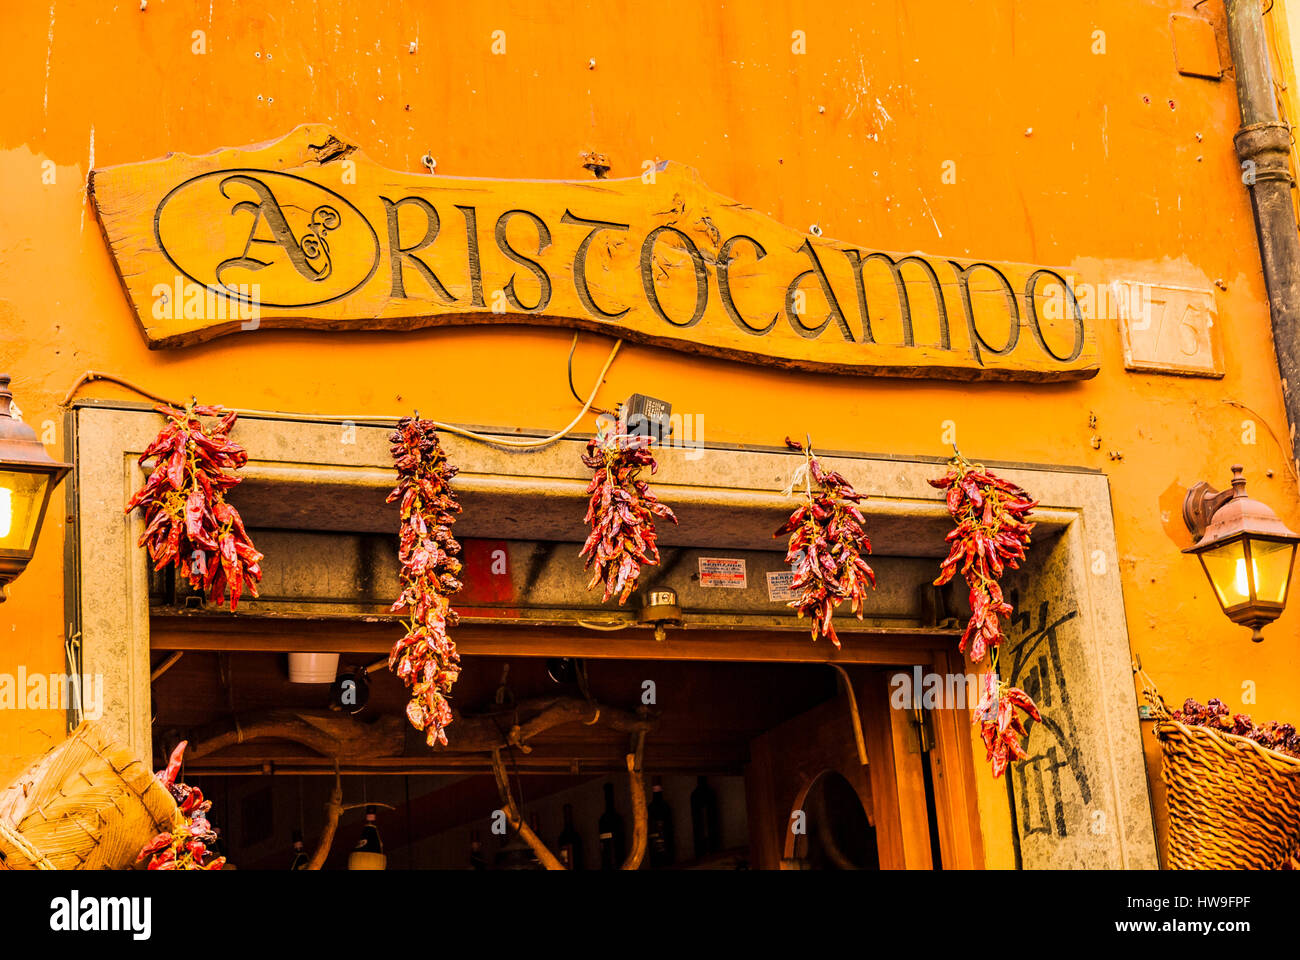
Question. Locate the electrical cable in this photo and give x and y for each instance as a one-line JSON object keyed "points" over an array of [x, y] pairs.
{"points": [[90, 376], [612, 625], [1286, 451], [572, 347], [546, 441]]}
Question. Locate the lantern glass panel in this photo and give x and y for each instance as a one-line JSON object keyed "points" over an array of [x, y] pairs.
{"points": [[22, 495], [1271, 562], [1226, 566]]}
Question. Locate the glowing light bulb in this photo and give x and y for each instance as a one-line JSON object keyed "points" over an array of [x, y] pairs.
{"points": [[6, 512], [1239, 582]]}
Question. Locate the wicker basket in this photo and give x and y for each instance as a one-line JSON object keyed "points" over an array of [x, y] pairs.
{"points": [[88, 804], [1233, 805]]}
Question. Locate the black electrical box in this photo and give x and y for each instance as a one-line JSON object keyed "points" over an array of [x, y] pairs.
{"points": [[647, 416]]}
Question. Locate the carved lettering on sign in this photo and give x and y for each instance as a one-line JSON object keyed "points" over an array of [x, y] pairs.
{"points": [[278, 228], [257, 245]]}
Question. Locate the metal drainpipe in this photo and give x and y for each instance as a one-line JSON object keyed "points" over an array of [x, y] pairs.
{"points": [[1264, 147]]}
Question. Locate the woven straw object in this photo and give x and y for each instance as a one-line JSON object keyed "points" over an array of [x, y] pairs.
{"points": [[88, 804], [1233, 805]]}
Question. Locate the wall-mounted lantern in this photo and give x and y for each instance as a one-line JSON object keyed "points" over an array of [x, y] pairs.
{"points": [[1245, 549], [27, 478]]}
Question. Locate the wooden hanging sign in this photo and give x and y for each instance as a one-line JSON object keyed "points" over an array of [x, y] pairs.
{"points": [[308, 233]]}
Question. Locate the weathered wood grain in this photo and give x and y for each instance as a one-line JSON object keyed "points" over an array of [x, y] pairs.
{"points": [[307, 232]]}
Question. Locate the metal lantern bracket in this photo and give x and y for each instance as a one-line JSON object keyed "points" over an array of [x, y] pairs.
{"points": [[1202, 501]]}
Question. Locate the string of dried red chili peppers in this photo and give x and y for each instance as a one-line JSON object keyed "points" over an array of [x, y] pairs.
{"points": [[187, 519], [827, 543], [622, 511], [425, 658], [991, 536], [188, 847], [996, 717]]}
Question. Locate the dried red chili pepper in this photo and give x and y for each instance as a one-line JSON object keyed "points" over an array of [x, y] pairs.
{"points": [[425, 658], [622, 512], [169, 773], [188, 522], [827, 543], [1000, 728], [1282, 737], [991, 536], [188, 845]]}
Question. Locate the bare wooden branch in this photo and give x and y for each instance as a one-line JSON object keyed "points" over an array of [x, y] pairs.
{"points": [[333, 810], [636, 783], [333, 735], [344, 738], [484, 732], [549, 860]]}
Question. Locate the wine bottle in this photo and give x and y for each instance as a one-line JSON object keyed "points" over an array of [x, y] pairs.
{"points": [[704, 819], [660, 829], [477, 858], [368, 854], [370, 841], [570, 842], [299, 861], [610, 827]]}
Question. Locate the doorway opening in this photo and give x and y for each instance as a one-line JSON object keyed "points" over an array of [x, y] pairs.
{"points": [[749, 765]]}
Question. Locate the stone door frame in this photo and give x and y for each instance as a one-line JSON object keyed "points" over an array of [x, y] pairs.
{"points": [[108, 595]]}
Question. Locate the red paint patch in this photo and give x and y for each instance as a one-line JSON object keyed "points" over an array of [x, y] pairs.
{"points": [[489, 590]]}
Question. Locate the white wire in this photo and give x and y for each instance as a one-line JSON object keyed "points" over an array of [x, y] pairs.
{"points": [[496, 441], [461, 431], [369, 420]]}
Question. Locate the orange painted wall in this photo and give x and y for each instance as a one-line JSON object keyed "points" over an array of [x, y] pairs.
{"points": [[1129, 166]]}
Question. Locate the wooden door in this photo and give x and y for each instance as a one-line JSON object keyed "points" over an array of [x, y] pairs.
{"points": [[796, 764]]}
